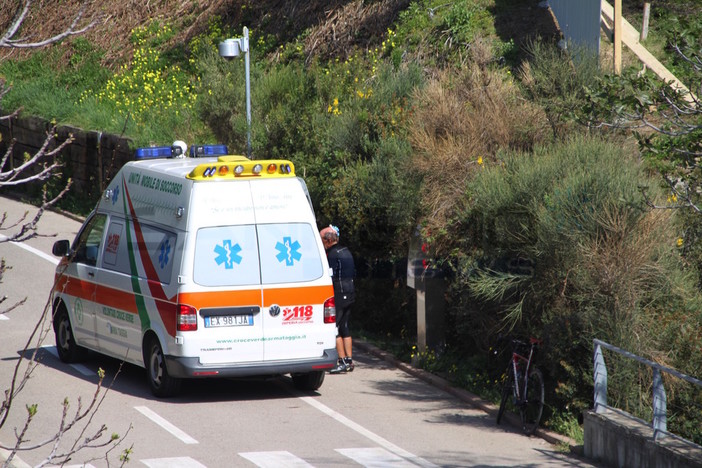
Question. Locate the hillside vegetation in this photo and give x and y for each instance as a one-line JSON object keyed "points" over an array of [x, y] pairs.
{"points": [[460, 120]]}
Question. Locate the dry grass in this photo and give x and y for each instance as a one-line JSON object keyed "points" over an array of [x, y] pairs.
{"points": [[355, 23], [334, 25], [114, 21], [461, 117]]}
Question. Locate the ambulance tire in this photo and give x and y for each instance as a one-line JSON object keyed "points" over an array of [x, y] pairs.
{"points": [[162, 385], [309, 381], [66, 346]]}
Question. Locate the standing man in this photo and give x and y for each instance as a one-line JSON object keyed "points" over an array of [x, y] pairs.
{"points": [[341, 263]]}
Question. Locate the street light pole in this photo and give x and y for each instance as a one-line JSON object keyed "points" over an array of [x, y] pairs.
{"points": [[229, 49], [248, 93]]}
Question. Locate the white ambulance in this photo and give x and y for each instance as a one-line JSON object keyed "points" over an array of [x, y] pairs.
{"points": [[202, 266]]}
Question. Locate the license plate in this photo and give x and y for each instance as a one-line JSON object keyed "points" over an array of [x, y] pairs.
{"points": [[228, 320]]}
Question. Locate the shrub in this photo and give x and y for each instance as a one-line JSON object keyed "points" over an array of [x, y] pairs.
{"points": [[462, 119], [561, 245]]}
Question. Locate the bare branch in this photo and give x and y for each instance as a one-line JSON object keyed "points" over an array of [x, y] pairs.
{"points": [[7, 41], [12, 176]]}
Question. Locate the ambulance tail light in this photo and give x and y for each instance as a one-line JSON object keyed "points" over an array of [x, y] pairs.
{"points": [[329, 310], [186, 319]]}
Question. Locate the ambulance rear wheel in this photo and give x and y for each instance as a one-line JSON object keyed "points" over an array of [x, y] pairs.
{"points": [[162, 385], [66, 346], [309, 381]]}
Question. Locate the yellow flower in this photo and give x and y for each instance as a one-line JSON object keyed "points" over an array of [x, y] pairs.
{"points": [[480, 160], [680, 242]]}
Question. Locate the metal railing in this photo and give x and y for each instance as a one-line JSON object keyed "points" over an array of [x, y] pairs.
{"points": [[658, 423]]}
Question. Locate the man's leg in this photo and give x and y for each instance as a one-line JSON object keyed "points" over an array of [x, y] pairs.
{"points": [[341, 347], [347, 346], [347, 350]]}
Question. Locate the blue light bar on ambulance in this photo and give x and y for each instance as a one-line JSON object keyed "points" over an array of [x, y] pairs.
{"points": [[200, 151], [153, 152]]}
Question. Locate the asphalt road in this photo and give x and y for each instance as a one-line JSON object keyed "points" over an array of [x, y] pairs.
{"points": [[377, 416]]}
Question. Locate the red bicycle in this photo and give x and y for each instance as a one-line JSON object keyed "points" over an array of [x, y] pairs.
{"points": [[523, 386]]}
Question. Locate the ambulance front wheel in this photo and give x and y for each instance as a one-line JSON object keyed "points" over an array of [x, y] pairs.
{"points": [[308, 382], [162, 385], [66, 346]]}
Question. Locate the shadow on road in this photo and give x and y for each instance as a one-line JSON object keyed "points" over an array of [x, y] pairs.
{"points": [[131, 380]]}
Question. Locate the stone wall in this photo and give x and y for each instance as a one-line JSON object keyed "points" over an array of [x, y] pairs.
{"points": [[90, 161]]}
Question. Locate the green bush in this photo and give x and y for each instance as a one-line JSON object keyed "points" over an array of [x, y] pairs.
{"points": [[557, 79], [561, 245]]}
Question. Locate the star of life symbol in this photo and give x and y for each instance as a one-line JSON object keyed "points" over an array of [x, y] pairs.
{"points": [[228, 254], [115, 195], [288, 251], [164, 251]]}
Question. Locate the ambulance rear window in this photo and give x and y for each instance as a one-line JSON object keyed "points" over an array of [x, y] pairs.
{"points": [[289, 253], [226, 256], [257, 254]]}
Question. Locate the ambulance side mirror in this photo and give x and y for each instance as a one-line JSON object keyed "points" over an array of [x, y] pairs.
{"points": [[61, 248]]}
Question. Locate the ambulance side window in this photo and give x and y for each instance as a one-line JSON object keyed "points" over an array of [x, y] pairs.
{"points": [[87, 245], [158, 244], [161, 248], [115, 256]]}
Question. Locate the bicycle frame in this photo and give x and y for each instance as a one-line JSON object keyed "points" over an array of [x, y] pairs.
{"points": [[520, 362], [525, 381]]}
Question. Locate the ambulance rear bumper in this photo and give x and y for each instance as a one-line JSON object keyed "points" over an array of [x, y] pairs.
{"points": [[190, 367]]}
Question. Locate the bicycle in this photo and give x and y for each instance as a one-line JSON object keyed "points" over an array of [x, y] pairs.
{"points": [[524, 383]]}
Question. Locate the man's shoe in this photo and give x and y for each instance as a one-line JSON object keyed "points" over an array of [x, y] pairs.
{"points": [[340, 368], [348, 362]]}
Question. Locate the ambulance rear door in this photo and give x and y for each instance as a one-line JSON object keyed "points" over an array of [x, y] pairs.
{"points": [[226, 277], [293, 267]]}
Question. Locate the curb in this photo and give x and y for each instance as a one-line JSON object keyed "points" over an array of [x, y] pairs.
{"points": [[461, 394]]}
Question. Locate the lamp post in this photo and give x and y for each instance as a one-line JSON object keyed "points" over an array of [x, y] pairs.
{"points": [[229, 49]]}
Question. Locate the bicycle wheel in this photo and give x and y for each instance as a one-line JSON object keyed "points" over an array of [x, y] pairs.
{"points": [[507, 393], [533, 407]]}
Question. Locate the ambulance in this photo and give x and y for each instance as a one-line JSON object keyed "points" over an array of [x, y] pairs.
{"points": [[196, 266]]}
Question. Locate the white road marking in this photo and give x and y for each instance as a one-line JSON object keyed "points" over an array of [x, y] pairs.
{"points": [[370, 435], [275, 460], [166, 425], [176, 462], [37, 252], [79, 367], [375, 457], [32, 250]]}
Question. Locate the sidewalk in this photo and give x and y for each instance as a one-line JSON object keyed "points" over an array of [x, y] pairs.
{"points": [[463, 395]]}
